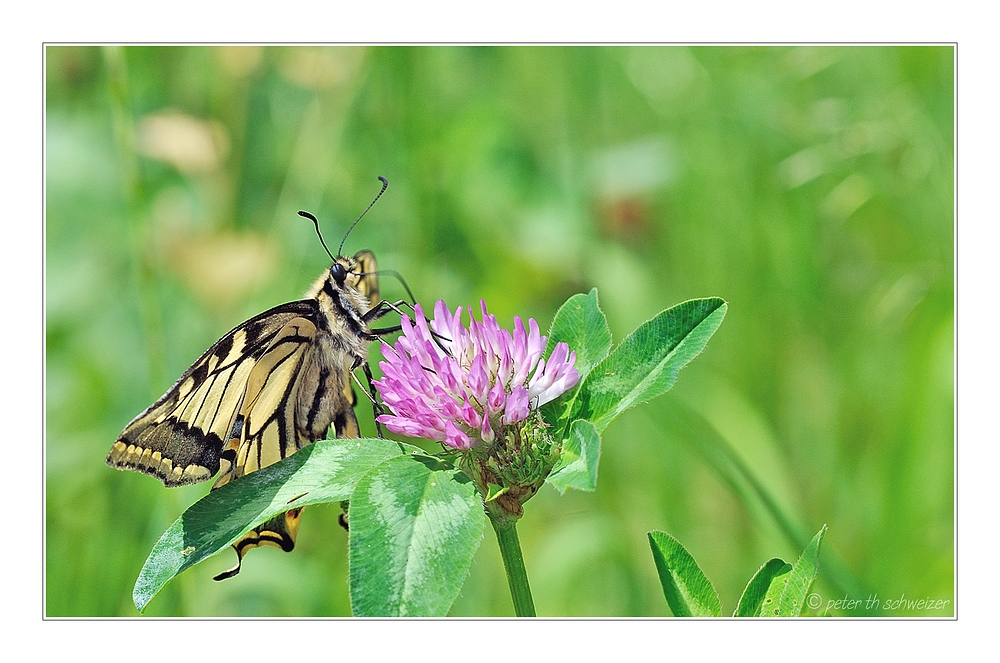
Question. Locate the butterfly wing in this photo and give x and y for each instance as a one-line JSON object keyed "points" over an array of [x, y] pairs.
{"points": [[179, 438], [368, 285], [265, 430]]}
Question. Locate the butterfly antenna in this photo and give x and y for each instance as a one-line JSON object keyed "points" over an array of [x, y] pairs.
{"points": [[385, 184], [316, 223], [399, 277]]}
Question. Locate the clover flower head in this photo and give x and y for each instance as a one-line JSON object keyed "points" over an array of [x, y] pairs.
{"points": [[460, 385]]}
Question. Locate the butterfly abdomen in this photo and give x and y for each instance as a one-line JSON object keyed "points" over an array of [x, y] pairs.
{"points": [[324, 390]]}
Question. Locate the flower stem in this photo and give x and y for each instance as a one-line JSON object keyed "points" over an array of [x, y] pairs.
{"points": [[513, 564]]}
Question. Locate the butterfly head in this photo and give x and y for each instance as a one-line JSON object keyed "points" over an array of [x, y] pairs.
{"points": [[350, 271], [339, 272]]}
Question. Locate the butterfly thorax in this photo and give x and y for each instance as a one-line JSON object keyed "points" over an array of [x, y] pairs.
{"points": [[342, 305], [325, 395]]}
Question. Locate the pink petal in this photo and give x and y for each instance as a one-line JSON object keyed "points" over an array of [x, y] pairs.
{"points": [[497, 398], [479, 382], [517, 406], [470, 417], [455, 438], [485, 432]]}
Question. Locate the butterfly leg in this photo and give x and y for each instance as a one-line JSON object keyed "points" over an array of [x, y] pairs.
{"points": [[372, 394], [379, 310], [376, 406], [383, 307]]}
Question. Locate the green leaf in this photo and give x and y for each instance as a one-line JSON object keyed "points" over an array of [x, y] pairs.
{"points": [[756, 590], [769, 606], [730, 457], [646, 363], [801, 578], [415, 525], [787, 594], [326, 471], [580, 324], [577, 464], [688, 592]]}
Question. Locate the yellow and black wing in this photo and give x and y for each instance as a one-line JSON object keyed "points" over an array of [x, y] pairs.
{"points": [[265, 431], [368, 283], [179, 439]]}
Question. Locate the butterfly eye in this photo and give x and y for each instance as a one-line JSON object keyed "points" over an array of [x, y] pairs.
{"points": [[338, 273]]}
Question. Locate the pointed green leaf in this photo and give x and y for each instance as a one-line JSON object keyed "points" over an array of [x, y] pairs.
{"points": [[646, 363], [580, 324], [415, 525], [769, 606], [800, 579], [577, 465], [688, 592], [756, 590], [789, 588], [326, 471]]}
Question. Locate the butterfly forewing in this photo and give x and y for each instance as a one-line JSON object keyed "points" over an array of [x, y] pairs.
{"points": [[179, 438]]}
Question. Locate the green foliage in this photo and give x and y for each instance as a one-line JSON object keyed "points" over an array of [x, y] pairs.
{"points": [[757, 589], [326, 471], [577, 465], [689, 593], [415, 525], [771, 605], [800, 579], [415, 522], [580, 323], [642, 367], [777, 589], [646, 363]]}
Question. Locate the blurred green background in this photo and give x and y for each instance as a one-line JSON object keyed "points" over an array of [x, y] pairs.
{"points": [[811, 187]]}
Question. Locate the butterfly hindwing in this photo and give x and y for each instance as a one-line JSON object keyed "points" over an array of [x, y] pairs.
{"points": [[268, 428], [281, 530]]}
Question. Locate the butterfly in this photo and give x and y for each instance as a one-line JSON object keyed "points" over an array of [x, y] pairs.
{"points": [[269, 387]]}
